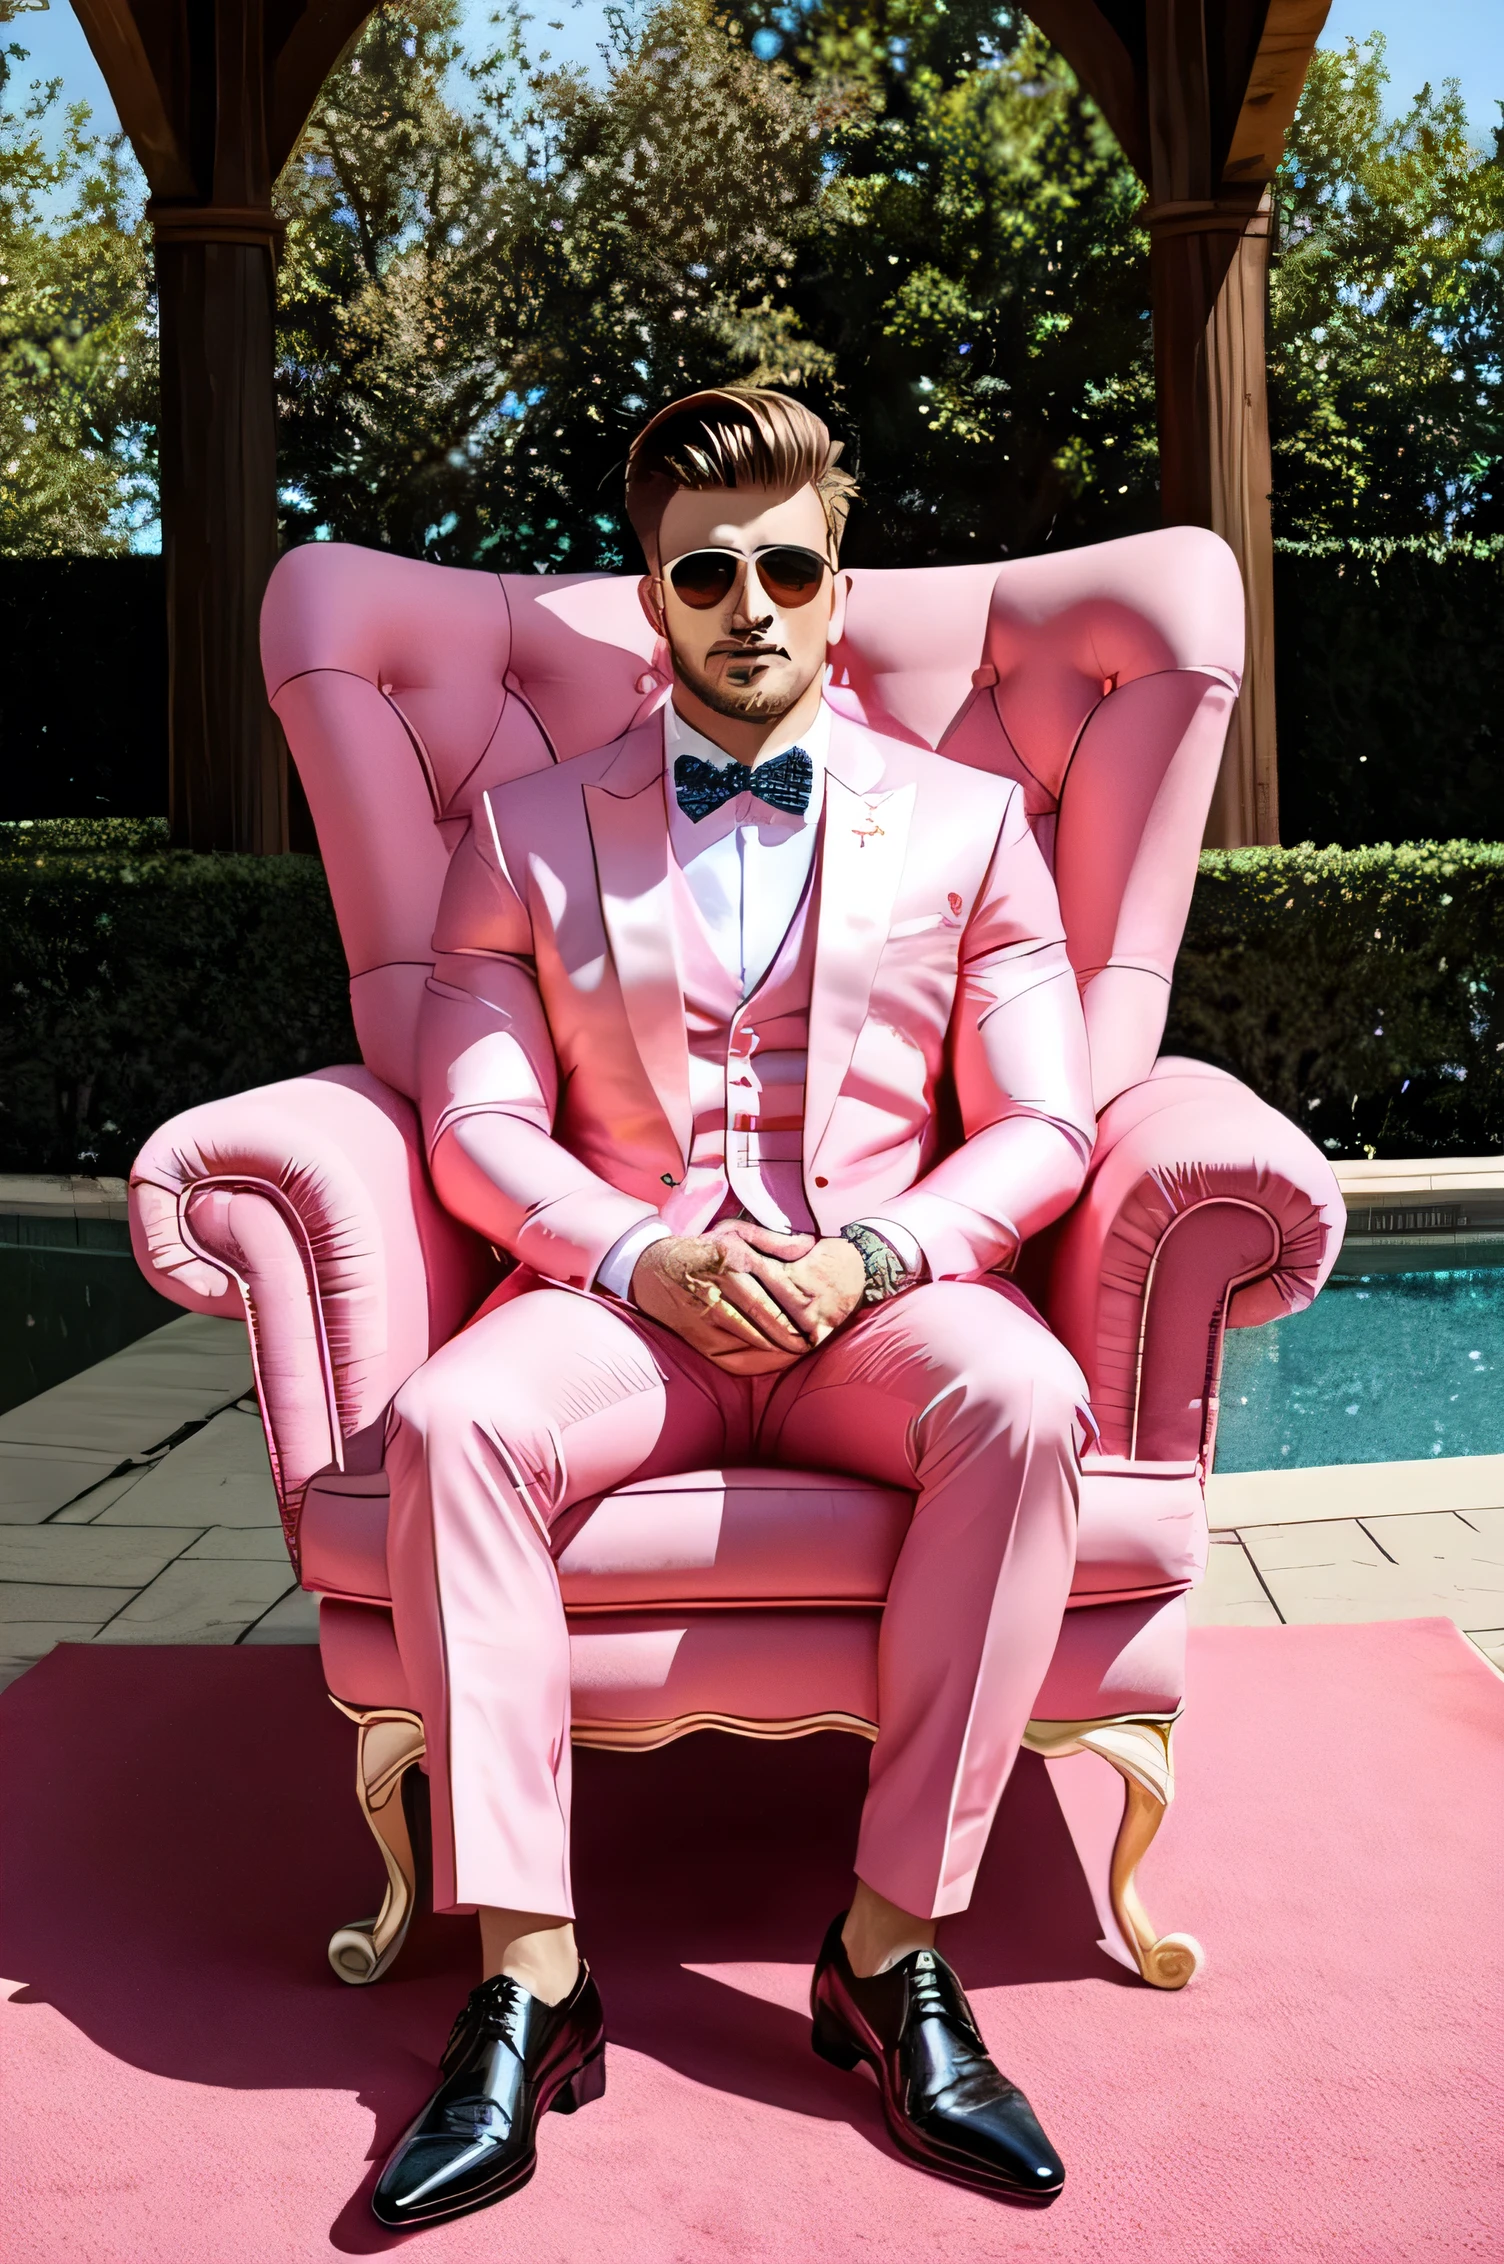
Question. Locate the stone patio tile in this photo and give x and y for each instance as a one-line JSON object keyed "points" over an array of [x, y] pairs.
{"points": [[240, 1544], [1240, 1499], [36, 1480], [93, 1504], [1462, 1567], [294, 1619], [199, 1603], [219, 1476], [1230, 1595], [1338, 1573], [127, 1555], [37, 1601], [63, 1193], [141, 1395]]}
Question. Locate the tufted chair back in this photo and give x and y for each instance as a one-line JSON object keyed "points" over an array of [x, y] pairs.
{"points": [[1100, 679]]}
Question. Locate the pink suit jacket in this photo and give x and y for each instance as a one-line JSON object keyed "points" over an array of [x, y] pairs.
{"points": [[553, 1051]]}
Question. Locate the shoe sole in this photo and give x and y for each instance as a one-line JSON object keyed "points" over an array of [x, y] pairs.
{"points": [[588, 2082], [957, 2169]]}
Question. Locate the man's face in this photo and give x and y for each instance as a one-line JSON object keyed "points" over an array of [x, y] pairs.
{"points": [[747, 656]]}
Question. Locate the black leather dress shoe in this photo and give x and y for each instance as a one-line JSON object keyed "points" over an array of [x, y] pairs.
{"points": [[508, 2060], [947, 2106]]}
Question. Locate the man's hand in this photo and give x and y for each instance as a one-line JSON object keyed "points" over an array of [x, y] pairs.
{"points": [[818, 1284], [703, 1288]]}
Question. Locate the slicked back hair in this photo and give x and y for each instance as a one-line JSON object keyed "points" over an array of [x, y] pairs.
{"points": [[733, 436]]}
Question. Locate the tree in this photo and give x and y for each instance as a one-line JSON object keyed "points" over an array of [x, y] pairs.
{"points": [[1386, 386], [978, 276], [926, 228], [77, 330], [480, 304]]}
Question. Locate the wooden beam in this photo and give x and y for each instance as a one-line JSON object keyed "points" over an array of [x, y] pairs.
{"points": [[141, 88], [315, 40], [1291, 30], [1102, 63]]}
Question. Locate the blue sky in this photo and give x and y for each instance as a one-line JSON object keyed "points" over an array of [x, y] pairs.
{"points": [[1461, 39]]}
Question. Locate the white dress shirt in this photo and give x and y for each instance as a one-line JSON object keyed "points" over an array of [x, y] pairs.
{"points": [[747, 865]]}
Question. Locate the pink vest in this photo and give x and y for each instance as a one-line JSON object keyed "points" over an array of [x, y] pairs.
{"points": [[746, 1077]]}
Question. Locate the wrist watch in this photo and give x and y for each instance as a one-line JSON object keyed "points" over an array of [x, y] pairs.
{"points": [[886, 1272]]}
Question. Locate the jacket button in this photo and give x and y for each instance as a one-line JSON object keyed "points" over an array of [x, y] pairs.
{"points": [[819, 1182]]}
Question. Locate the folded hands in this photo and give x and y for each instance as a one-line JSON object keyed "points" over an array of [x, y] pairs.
{"points": [[752, 1300]]}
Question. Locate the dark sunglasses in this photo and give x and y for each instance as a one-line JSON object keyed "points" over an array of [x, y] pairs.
{"points": [[790, 575]]}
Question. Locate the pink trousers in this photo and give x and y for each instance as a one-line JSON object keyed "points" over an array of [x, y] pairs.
{"points": [[956, 1390]]}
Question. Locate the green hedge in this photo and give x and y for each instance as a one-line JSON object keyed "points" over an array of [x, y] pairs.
{"points": [[83, 684], [1389, 677], [1356, 989], [136, 980]]}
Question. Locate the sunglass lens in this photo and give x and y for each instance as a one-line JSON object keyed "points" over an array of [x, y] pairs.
{"points": [[704, 578], [790, 577]]}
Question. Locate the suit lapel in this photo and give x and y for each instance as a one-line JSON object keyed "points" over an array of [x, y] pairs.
{"points": [[865, 837], [629, 834]]}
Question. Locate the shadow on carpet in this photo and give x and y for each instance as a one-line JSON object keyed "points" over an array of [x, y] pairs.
{"points": [[184, 2078]]}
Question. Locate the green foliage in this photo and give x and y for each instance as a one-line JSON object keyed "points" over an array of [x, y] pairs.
{"points": [[925, 228], [1387, 306], [1390, 681], [978, 274], [135, 981], [78, 375], [480, 305], [1360, 991], [61, 837]]}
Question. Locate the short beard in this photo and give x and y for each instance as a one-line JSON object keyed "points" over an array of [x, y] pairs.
{"points": [[749, 705]]}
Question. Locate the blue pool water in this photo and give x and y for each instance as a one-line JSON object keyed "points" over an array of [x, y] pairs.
{"points": [[70, 1293], [1382, 1368]]}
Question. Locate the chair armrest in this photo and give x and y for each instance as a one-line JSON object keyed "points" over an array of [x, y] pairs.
{"points": [[307, 1207], [1203, 1209]]}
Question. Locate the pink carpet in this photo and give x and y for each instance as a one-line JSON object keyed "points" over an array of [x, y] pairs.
{"points": [[184, 2082]]}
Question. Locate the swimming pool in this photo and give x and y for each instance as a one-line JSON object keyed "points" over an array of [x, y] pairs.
{"points": [[70, 1293], [1384, 1367]]}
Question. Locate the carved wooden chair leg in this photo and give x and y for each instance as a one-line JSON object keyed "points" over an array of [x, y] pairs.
{"points": [[390, 1743], [1139, 1750]]}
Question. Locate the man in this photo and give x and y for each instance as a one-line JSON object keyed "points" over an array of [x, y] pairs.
{"points": [[695, 1000]]}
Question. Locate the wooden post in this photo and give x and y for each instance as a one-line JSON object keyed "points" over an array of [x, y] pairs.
{"points": [[227, 766], [213, 97], [1200, 94], [1246, 805]]}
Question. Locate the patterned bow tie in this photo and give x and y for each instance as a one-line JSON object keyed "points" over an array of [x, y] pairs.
{"points": [[783, 784]]}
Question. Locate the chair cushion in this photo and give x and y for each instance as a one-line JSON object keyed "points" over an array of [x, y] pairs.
{"points": [[733, 1536], [720, 1538], [640, 1677]]}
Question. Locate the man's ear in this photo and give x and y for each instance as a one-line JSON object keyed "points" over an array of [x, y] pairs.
{"points": [[647, 598], [840, 592]]}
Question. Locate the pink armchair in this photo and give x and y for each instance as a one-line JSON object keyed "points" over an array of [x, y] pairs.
{"points": [[748, 1599]]}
